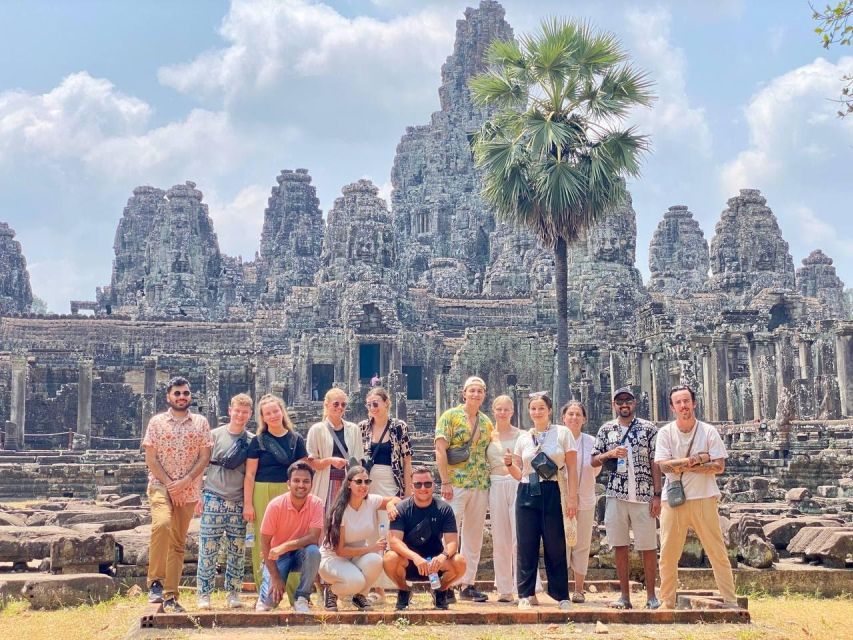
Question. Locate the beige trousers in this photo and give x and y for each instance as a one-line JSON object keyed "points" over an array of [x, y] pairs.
{"points": [[700, 515], [169, 525]]}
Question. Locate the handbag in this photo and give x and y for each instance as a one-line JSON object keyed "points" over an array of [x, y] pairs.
{"points": [[236, 455], [458, 455], [280, 455], [544, 466], [675, 496]]}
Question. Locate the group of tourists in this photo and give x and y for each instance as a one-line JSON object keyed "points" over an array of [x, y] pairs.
{"points": [[346, 512]]}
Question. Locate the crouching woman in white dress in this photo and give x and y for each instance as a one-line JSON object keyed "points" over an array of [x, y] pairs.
{"points": [[351, 555]]}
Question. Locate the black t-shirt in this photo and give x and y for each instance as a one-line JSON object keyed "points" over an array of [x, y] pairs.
{"points": [[269, 468], [337, 452], [423, 528], [380, 452]]}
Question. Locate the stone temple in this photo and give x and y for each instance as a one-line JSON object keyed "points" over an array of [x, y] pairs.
{"points": [[428, 289]]}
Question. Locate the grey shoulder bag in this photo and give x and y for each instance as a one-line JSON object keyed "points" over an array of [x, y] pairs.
{"points": [[458, 455], [675, 496]]}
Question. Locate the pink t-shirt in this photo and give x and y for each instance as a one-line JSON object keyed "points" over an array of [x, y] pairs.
{"points": [[283, 522], [177, 443]]}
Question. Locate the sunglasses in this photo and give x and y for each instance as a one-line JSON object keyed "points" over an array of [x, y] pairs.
{"points": [[185, 394], [623, 402], [423, 485], [373, 404], [537, 394], [361, 481], [339, 403]]}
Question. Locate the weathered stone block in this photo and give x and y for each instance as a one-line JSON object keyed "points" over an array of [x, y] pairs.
{"points": [[54, 592], [758, 552]]}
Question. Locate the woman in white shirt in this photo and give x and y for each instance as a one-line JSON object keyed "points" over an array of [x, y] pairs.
{"points": [[351, 556], [538, 510], [573, 414]]}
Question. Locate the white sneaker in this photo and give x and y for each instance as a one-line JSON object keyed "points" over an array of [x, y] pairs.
{"points": [[233, 600], [204, 601], [524, 603], [565, 605], [260, 606], [301, 605]]}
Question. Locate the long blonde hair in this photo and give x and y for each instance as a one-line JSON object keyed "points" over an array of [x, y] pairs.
{"points": [[329, 395], [271, 399]]}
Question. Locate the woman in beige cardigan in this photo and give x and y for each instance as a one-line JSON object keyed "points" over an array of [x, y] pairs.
{"points": [[331, 443]]}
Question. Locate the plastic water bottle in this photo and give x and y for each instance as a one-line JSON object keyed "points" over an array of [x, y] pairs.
{"points": [[250, 534], [434, 580], [621, 465]]}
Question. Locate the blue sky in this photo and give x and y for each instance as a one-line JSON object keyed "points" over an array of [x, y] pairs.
{"points": [[97, 97]]}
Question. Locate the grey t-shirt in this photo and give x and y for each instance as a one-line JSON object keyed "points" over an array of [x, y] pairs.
{"points": [[226, 483]]}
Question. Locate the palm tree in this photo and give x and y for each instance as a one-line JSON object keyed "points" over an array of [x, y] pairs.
{"points": [[552, 155]]}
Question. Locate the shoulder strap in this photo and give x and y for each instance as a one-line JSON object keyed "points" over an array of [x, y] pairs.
{"points": [[690, 446], [631, 426], [341, 445]]}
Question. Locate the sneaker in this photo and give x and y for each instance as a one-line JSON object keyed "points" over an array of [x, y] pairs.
{"points": [[361, 601], [403, 598], [578, 597], [155, 592], [506, 597], [524, 604], [261, 606], [439, 598], [470, 593], [621, 603], [233, 600], [330, 599], [204, 601], [565, 605], [376, 598], [170, 605], [653, 603], [301, 605]]}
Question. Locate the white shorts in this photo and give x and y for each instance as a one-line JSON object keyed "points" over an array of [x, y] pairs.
{"points": [[620, 516]]}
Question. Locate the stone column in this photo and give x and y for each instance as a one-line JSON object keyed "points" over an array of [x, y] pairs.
{"points": [[844, 364], [440, 396], [707, 385], [149, 389], [786, 369], [617, 380], [84, 403], [718, 382], [762, 372], [211, 392], [660, 388], [646, 376], [523, 402], [19, 402], [806, 361]]}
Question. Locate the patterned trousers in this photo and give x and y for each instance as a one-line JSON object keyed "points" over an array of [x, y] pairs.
{"points": [[221, 518]]}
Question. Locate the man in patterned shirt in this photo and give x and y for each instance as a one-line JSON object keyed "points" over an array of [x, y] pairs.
{"points": [[177, 450], [465, 485], [627, 446]]}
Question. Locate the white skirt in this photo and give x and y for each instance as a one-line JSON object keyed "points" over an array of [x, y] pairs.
{"points": [[383, 485]]}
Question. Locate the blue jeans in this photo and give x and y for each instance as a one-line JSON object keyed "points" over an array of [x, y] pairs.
{"points": [[305, 560]]}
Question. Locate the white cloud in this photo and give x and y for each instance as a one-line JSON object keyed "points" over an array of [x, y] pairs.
{"points": [[792, 117], [814, 231], [672, 120], [239, 221], [272, 43]]}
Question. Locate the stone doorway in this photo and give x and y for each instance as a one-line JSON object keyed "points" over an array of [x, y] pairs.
{"points": [[414, 382], [369, 357], [322, 377]]}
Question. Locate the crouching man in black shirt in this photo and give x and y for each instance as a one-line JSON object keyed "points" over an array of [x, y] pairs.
{"points": [[423, 540]]}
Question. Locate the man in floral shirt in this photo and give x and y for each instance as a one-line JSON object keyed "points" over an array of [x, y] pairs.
{"points": [[177, 450], [626, 446]]}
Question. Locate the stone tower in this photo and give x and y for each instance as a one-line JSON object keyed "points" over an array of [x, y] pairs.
{"points": [[183, 257], [678, 254], [442, 224], [817, 279], [16, 296], [292, 236], [748, 253], [518, 265], [130, 265]]}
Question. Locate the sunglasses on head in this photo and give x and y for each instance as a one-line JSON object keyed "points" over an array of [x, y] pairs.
{"points": [[361, 481], [373, 404], [339, 403], [423, 485], [186, 394], [537, 394]]}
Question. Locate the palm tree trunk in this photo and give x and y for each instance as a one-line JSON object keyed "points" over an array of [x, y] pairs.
{"points": [[561, 264]]}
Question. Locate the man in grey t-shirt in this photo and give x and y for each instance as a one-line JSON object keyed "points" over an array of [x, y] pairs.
{"points": [[222, 510]]}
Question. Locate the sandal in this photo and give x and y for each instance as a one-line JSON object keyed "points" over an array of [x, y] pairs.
{"points": [[653, 603], [621, 603], [578, 597]]}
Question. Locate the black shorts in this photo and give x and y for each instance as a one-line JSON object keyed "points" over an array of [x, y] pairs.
{"points": [[412, 574]]}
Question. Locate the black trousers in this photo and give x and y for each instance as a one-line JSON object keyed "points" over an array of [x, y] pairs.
{"points": [[541, 518]]}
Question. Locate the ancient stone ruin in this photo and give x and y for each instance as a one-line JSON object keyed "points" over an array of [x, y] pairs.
{"points": [[426, 290]]}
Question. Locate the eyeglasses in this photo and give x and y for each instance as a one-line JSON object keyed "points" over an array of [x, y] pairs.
{"points": [[339, 403], [537, 394], [373, 405], [185, 394], [423, 485], [361, 481], [623, 402]]}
